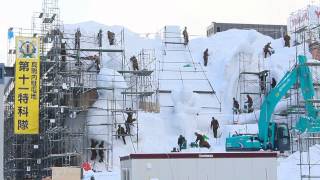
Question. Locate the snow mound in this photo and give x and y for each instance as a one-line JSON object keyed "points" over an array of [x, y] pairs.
{"points": [[159, 132]]}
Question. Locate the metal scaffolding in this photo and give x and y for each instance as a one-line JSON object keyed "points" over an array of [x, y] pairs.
{"points": [[252, 83]]}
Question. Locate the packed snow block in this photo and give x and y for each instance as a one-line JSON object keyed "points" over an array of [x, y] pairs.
{"points": [[66, 173], [200, 166], [149, 106], [81, 100]]}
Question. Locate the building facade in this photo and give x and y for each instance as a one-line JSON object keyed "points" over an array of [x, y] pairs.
{"points": [[274, 31]]}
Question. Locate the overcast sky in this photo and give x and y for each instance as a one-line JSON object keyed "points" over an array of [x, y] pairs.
{"points": [[149, 16]]}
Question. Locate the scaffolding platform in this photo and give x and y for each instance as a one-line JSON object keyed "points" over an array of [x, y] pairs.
{"points": [[302, 29], [138, 73], [124, 111], [164, 91], [169, 42], [204, 92], [313, 64], [138, 93], [98, 50], [256, 93], [255, 73], [312, 100]]}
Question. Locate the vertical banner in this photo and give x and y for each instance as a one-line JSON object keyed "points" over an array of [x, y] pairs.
{"points": [[27, 87]]}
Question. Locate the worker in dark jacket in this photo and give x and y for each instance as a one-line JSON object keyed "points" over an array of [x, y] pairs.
{"points": [[185, 36], [182, 142], [94, 143], [205, 57], [236, 106], [121, 132], [101, 151], [202, 141], [273, 82], [99, 38], [214, 126], [97, 62], [63, 52], [262, 82], [267, 49], [129, 121], [286, 39], [77, 36], [134, 61], [249, 103], [111, 37]]}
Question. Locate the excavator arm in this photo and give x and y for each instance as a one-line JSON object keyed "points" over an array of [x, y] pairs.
{"points": [[268, 130], [301, 75]]}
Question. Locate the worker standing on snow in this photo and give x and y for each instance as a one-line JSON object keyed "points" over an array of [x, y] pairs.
{"points": [[214, 126], [182, 142], [121, 132], [236, 106], [267, 49], [249, 103], [202, 141], [134, 61], [205, 57], [185, 36], [286, 39], [101, 151]]}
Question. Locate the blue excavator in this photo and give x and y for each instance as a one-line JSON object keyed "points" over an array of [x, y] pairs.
{"points": [[276, 136]]}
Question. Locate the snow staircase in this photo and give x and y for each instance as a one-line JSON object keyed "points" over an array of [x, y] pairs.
{"points": [[178, 71]]}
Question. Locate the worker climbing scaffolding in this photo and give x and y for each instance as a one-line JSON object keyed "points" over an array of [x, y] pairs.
{"points": [[93, 145], [121, 133], [111, 38], [263, 81], [101, 151], [97, 62], [77, 36], [129, 121], [236, 106]]}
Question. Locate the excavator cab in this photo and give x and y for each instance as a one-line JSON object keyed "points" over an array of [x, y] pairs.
{"points": [[278, 137], [282, 137]]}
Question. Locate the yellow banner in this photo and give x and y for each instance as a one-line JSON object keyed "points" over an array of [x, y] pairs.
{"points": [[27, 86]]}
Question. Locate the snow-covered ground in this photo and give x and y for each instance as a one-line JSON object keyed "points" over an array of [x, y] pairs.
{"points": [[159, 131]]}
